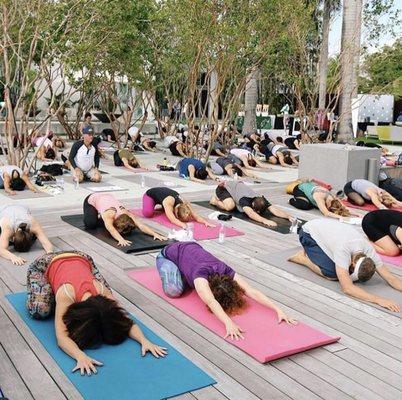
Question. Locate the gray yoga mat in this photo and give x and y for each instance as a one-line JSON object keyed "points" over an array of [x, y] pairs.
{"points": [[150, 181], [26, 194], [375, 285]]}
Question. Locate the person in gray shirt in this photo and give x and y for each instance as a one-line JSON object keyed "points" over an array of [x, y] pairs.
{"points": [[337, 251]]}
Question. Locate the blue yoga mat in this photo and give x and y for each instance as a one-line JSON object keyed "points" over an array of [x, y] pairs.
{"points": [[125, 374]]}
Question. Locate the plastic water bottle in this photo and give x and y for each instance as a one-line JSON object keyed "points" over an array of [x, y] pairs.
{"points": [[235, 177], [190, 231], [165, 161], [222, 234], [294, 226], [62, 184], [76, 182], [142, 181]]}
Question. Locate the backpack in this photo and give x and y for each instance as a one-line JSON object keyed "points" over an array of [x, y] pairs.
{"points": [[117, 160], [52, 169]]}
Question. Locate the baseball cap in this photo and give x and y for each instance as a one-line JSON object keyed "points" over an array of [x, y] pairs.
{"points": [[88, 130]]}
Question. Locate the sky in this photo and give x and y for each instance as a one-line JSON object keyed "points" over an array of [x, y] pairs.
{"points": [[336, 29]]}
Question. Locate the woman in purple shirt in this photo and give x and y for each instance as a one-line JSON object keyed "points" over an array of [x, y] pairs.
{"points": [[184, 265]]}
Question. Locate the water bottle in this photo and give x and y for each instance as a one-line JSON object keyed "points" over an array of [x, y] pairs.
{"points": [[142, 181], [165, 162], [295, 224], [62, 184], [221, 237], [190, 231], [235, 176], [76, 182]]}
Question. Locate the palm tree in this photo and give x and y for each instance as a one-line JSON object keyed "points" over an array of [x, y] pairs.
{"points": [[350, 48], [250, 102]]}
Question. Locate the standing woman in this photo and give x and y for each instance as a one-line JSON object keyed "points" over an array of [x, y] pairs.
{"points": [[185, 265], [19, 227], [86, 312], [384, 230], [177, 210], [105, 208]]}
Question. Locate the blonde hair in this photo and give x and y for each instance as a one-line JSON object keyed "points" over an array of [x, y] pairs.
{"points": [[183, 212], [338, 208], [386, 199], [124, 224]]}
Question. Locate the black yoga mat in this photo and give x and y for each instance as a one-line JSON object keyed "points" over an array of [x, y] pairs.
{"points": [[141, 243], [283, 225]]}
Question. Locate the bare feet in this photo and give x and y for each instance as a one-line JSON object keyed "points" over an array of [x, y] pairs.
{"points": [[299, 258], [214, 201]]}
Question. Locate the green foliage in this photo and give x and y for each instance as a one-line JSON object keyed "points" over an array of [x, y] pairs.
{"points": [[382, 71]]}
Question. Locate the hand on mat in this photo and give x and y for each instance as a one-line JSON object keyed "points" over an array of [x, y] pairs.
{"points": [[389, 305], [233, 331], [123, 243], [11, 193], [17, 260], [87, 365], [156, 350], [208, 224], [283, 317], [159, 237], [269, 223]]}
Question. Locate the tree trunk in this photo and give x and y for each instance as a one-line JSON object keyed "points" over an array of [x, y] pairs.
{"points": [[349, 50], [323, 64], [250, 102], [357, 43]]}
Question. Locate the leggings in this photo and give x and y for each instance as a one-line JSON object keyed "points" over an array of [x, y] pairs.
{"points": [[393, 187], [148, 206], [381, 223], [91, 215], [41, 299], [172, 281], [300, 200]]}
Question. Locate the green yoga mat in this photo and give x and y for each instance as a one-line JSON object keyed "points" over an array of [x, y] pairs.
{"points": [[283, 225]]}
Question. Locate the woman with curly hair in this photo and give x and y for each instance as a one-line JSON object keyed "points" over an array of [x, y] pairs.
{"points": [[69, 285], [308, 195], [105, 209], [184, 265]]}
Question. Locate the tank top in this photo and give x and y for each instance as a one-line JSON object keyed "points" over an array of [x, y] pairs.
{"points": [[74, 270], [8, 169], [15, 215], [104, 201], [362, 185], [159, 194]]}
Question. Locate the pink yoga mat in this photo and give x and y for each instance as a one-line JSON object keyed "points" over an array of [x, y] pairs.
{"points": [[264, 338], [366, 207], [397, 261], [201, 232]]}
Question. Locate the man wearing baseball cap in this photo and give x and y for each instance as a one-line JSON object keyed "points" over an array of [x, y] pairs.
{"points": [[338, 251], [84, 157]]}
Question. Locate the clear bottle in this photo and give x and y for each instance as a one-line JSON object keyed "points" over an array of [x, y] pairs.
{"points": [[165, 162], [76, 182], [62, 184], [190, 231], [222, 233], [142, 181], [235, 177]]}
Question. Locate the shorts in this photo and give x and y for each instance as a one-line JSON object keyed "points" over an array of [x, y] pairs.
{"points": [[1, 183], [216, 168], [222, 193], [317, 255], [90, 174], [347, 189], [377, 224]]}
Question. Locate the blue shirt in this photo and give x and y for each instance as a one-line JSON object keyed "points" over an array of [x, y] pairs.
{"points": [[186, 162]]}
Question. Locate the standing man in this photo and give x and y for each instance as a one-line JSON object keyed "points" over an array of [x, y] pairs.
{"points": [[84, 157]]}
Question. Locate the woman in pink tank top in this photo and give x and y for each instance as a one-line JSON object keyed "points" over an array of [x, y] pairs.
{"points": [[105, 208], [86, 312]]}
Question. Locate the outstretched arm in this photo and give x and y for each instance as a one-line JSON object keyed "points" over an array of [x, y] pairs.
{"points": [[373, 194], [352, 290], [108, 218], [260, 297], [198, 218], [144, 227], [279, 213], [127, 165], [5, 236], [257, 217], [29, 184], [390, 278], [40, 234], [168, 205]]}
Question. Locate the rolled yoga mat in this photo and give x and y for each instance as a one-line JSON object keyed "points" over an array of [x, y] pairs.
{"points": [[125, 375], [366, 207], [141, 243], [201, 232], [283, 225], [264, 339], [376, 285]]}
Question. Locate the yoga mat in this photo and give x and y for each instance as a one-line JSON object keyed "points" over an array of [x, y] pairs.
{"points": [[106, 188], [141, 243], [264, 338], [376, 285], [366, 207], [397, 261], [282, 227], [201, 232], [125, 374], [26, 194], [150, 181]]}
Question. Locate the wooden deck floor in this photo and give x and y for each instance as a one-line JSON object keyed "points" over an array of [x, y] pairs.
{"points": [[366, 363]]}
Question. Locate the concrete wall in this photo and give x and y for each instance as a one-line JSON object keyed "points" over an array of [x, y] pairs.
{"points": [[335, 163]]}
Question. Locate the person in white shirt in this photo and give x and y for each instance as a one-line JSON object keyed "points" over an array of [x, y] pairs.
{"points": [[337, 251]]}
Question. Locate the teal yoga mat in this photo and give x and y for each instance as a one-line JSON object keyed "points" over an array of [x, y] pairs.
{"points": [[125, 374]]}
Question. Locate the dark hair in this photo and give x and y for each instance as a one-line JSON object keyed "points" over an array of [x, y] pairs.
{"points": [[251, 162], [124, 224], [23, 239], [260, 204], [201, 173], [227, 293], [95, 321], [50, 153], [163, 129], [237, 170], [133, 163], [87, 114], [287, 158], [152, 144], [367, 268], [196, 128], [279, 139], [17, 184]]}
